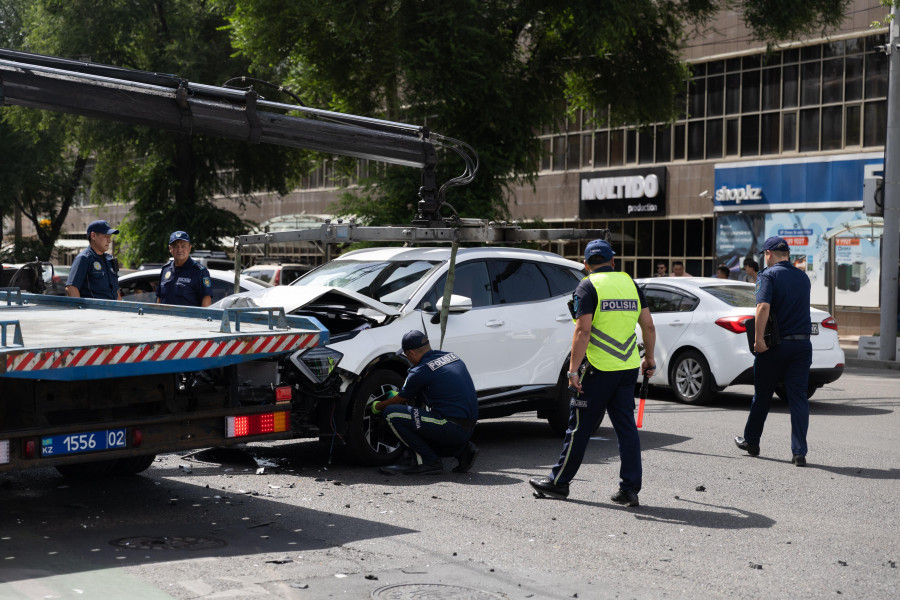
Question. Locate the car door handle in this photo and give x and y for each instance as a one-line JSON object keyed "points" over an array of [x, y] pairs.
{"points": [[494, 323], [563, 318]]}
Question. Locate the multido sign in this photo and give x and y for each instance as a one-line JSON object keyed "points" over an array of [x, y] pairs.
{"points": [[624, 193], [605, 188]]}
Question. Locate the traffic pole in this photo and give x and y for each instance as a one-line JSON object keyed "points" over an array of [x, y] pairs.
{"points": [[890, 242]]}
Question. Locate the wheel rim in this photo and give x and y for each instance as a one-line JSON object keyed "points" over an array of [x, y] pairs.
{"points": [[379, 436], [689, 378]]}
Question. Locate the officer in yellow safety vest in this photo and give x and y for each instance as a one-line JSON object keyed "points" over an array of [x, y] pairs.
{"points": [[607, 306]]}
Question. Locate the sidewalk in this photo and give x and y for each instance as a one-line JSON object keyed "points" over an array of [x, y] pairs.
{"points": [[850, 345]]}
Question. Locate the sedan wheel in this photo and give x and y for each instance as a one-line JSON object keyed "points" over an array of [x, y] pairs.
{"points": [[691, 379]]}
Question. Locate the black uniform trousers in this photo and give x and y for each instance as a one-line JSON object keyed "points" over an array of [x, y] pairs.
{"points": [[601, 392], [787, 362]]}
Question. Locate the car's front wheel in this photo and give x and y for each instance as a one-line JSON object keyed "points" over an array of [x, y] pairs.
{"points": [[691, 379], [370, 438]]}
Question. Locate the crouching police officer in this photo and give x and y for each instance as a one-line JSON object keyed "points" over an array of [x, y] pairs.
{"points": [[445, 424], [95, 273], [183, 281], [782, 290], [608, 305]]}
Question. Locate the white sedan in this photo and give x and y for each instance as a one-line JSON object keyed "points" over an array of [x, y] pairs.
{"points": [[140, 286], [701, 340]]}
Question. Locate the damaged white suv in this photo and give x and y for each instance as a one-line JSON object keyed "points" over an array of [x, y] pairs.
{"points": [[509, 321]]}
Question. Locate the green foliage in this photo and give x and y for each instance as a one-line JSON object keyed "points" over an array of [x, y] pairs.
{"points": [[492, 73], [170, 179]]}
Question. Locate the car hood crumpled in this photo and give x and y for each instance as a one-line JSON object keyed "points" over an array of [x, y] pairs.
{"points": [[293, 297]]}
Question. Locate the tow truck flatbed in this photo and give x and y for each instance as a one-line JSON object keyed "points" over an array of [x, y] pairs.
{"points": [[73, 339]]}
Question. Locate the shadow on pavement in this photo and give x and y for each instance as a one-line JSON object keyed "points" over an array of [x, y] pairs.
{"points": [[720, 517], [59, 526]]}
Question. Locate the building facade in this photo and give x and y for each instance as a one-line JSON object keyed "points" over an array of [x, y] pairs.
{"points": [[770, 141]]}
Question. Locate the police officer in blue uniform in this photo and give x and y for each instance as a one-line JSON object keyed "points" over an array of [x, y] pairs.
{"points": [[95, 273], [183, 281], [444, 425], [608, 305], [782, 291]]}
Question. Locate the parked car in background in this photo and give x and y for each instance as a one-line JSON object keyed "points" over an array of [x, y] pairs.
{"points": [[701, 337], [277, 274], [508, 320], [57, 285], [140, 286]]}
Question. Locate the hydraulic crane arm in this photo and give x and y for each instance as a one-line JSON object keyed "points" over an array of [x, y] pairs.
{"points": [[172, 103]]}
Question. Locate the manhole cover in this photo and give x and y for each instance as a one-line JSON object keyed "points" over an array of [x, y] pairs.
{"points": [[432, 591], [185, 542]]}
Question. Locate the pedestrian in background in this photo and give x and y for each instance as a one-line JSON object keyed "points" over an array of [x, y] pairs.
{"points": [[782, 291], [608, 304], [183, 281], [722, 272], [678, 269], [751, 269], [661, 270], [95, 272]]}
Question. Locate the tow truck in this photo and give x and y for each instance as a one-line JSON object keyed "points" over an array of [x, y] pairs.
{"points": [[114, 413]]}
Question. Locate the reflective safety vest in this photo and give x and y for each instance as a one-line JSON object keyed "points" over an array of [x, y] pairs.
{"points": [[613, 345]]}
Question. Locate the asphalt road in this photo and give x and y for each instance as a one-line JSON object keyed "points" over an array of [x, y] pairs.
{"points": [[713, 522]]}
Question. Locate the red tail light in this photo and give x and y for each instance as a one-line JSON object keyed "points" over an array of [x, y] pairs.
{"points": [[830, 323], [734, 324], [284, 394], [28, 449], [277, 279], [137, 437]]}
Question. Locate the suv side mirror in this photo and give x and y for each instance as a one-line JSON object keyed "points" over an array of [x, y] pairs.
{"points": [[458, 305]]}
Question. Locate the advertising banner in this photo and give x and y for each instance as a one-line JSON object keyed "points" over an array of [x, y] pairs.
{"points": [[623, 193], [857, 259], [820, 183]]}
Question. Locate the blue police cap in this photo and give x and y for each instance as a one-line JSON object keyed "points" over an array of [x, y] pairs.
{"points": [[598, 251], [413, 340], [101, 227], [179, 235], [776, 243]]}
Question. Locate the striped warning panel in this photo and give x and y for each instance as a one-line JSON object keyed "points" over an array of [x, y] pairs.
{"points": [[122, 354]]}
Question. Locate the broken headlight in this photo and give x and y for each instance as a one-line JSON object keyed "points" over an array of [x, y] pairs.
{"points": [[316, 363]]}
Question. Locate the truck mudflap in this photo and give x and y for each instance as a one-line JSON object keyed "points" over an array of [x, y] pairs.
{"points": [[73, 339]]}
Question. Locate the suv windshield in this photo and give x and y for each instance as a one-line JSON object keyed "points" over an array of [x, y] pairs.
{"points": [[742, 296], [390, 282]]}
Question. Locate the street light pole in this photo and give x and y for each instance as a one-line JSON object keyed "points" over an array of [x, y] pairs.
{"points": [[890, 243]]}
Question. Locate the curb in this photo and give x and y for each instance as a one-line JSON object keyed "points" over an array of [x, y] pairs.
{"points": [[851, 361]]}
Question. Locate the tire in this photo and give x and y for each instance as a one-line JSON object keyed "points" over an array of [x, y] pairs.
{"points": [[88, 470], [116, 467], [691, 379], [133, 465], [371, 441]]}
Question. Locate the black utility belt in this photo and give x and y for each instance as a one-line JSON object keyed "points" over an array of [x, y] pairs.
{"points": [[795, 336]]}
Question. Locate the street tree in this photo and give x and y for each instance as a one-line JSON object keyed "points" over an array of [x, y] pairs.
{"points": [[169, 180], [493, 73]]}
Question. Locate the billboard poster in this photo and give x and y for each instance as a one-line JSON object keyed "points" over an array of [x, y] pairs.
{"points": [[857, 259]]}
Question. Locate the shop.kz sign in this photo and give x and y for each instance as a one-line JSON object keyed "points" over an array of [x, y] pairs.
{"points": [[813, 183], [634, 192], [738, 195]]}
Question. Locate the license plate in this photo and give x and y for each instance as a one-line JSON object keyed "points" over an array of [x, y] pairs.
{"points": [[815, 329], [76, 443]]}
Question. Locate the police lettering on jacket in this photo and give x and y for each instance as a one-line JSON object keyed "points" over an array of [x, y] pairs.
{"points": [[624, 305], [437, 363]]}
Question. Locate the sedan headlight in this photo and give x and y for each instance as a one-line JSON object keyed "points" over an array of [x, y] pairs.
{"points": [[316, 363]]}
